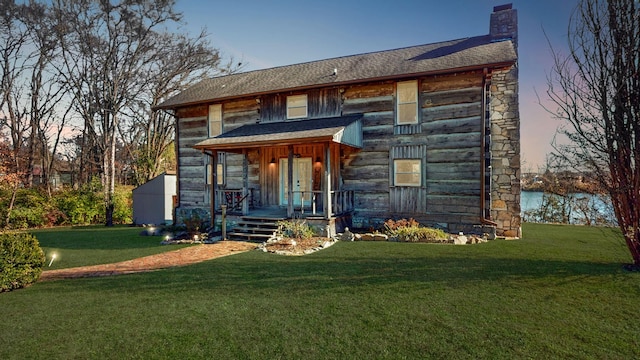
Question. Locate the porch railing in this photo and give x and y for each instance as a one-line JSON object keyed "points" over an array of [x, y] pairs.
{"points": [[342, 201], [313, 198], [233, 199]]}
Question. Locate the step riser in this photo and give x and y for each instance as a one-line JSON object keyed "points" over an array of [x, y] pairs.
{"points": [[254, 229]]}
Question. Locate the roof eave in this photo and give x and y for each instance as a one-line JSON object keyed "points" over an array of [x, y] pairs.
{"points": [[235, 147]]}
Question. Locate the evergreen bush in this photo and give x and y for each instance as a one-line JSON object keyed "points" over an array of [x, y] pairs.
{"points": [[21, 260]]}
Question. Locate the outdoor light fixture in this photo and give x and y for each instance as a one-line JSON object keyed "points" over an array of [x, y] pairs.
{"points": [[53, 257], [318, 159], [273, 160]]}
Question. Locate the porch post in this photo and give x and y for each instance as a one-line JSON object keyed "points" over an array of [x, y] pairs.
{"points": [[327, 181], [245, 182], [214, 187], [290, 183]]}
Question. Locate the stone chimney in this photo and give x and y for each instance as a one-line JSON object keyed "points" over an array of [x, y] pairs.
{"points": [[504, 24]]}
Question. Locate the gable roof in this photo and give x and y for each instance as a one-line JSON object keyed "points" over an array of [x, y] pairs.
{"points": [[454, 55]]}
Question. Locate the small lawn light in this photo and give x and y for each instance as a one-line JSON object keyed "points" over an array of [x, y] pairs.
{"points": [[53, 257]]}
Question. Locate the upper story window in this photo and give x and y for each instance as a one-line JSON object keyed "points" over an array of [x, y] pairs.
{"points": [[407, 172], [215, 120], [296, 106], [407, 102]]}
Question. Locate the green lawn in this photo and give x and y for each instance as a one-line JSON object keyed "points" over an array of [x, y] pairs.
{"points": [[560, 292], [93, 245]]}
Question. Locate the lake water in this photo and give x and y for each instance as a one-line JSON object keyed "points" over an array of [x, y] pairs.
{"points": [[600, 205]]}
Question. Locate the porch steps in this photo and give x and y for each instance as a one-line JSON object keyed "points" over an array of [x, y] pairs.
{"points": [[254, 229]]}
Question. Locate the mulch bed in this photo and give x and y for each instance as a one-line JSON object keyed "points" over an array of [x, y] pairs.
{"points": [[296, 246]]}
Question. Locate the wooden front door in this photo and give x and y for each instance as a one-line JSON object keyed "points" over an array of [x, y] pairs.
{"points": [[302, 181]]}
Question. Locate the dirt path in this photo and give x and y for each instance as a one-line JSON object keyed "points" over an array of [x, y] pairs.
{"points": [[184, 256]]}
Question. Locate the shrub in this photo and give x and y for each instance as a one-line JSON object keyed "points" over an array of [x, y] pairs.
{"points": [[193, 224], [391, 225], [82, 206], [21, 260], [29, 209], [297, 229], [123, 205], [411, 231], [23, 217]]}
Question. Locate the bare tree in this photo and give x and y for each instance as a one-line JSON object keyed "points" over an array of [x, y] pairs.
{"points": [[45, 94], [106, 50], [14, 44], [181, 62], [29, 92], [597, 91]]}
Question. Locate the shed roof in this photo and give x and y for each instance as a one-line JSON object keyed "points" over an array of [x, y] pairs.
{"points": [[448, 56]]}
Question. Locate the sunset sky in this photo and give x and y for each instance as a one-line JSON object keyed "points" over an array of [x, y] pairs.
{"points": [[265, 34]]}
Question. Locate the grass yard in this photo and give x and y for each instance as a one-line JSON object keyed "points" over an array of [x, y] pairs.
{"points": [[92, 245], [560, 292]]}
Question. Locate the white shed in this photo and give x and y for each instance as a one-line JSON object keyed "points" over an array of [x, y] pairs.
{"points": [[153, 200]]}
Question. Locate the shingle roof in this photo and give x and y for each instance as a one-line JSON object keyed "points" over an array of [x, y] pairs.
{"points": [[283, 132], [464, 53]]}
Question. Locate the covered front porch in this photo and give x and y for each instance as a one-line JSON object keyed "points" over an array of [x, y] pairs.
{"points": [[283, 170], [309, 205]]}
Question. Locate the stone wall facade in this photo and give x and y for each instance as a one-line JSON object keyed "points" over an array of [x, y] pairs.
{"points": [[505, 130], [505, 151]]}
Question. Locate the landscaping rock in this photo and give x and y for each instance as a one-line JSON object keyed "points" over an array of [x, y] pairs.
{"points": [[460, 240], [380, 237], [347, 235], [374, 237], [151, 231]]}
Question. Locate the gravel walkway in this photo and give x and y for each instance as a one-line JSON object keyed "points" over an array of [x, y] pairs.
{"points": [[184, 256]]}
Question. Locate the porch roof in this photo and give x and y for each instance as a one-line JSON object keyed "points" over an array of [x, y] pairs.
{"points": [[345, 130]]}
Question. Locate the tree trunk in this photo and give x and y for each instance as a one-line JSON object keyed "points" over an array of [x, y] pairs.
{"points": [[14, 192]]}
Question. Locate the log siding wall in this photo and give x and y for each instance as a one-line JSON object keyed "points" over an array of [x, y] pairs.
{"points": [[191, 128], [448, 139]]}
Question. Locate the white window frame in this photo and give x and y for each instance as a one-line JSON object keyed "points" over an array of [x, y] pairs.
{"points": [[411, 162], [214, 121], [406, 96], [296, 103]]}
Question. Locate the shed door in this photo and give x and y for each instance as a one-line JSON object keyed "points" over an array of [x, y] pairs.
{"points": [[302, 184]]}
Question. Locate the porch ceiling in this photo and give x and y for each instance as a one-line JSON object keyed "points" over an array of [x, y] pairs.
{"points": [[345, 130]]}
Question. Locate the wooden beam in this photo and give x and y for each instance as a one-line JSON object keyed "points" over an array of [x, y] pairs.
{"points": [[245, 182], [214, 186], [327, 181], [290, 183]]}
